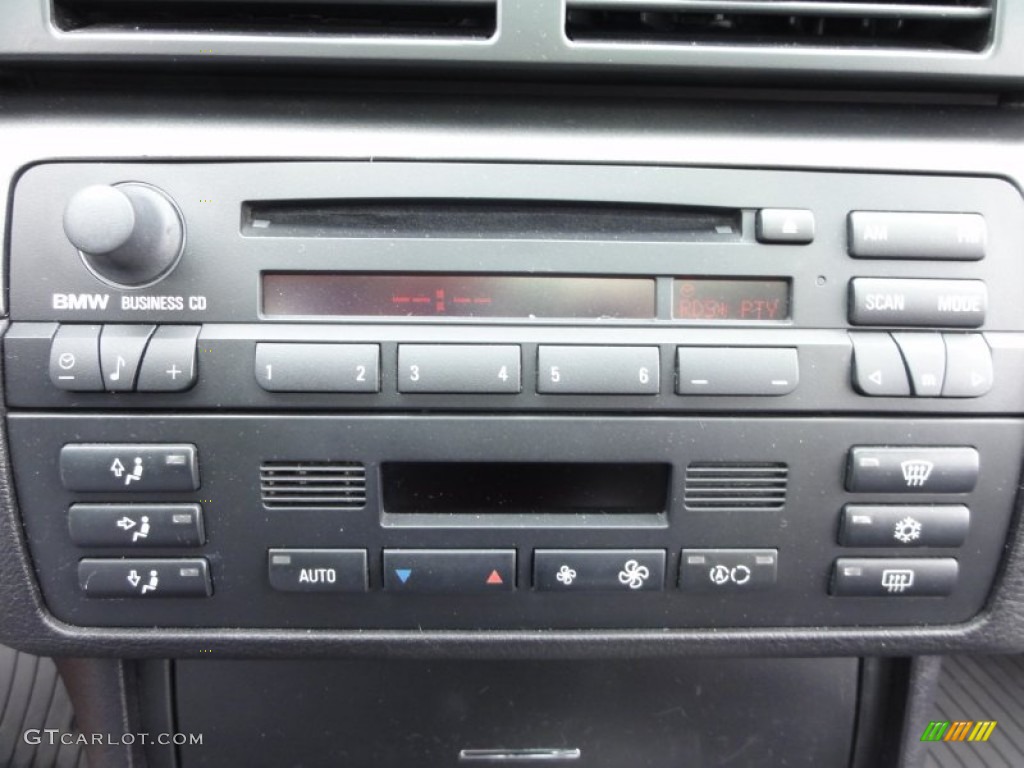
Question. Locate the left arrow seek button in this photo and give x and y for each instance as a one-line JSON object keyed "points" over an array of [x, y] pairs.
{"points": [[75, 359], [129, 468]]}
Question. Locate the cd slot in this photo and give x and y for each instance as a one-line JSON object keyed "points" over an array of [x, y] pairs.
{"points": [[558, 494], [490, 219]]}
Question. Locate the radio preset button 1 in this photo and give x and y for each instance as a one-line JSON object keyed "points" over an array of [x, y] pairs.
{"points": [[607, 570], [969, 371], [794, 226], [121, 348], [318, 367], [939, 236], [728, 570], [317, 570], [75, 358], [136, 525], [449, 570], [925, 356], [598, 370], [878, 368], [904, 525], [893, 301], [129, 468], [169, 363], [894, 577], [912, 470], [145, 578], [459, 369], [762, 371]]}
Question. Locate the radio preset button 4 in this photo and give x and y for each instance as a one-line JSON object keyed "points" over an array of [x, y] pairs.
{"points": [[912, 470], [762, 371], [885, 301], [318, 367], [459, 369], [75, 359], [598, 370]]}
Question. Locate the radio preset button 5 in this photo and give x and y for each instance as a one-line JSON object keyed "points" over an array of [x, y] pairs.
{"points": [[598, 370], [878, 368], [945, 236], [136, 525], [912, 470], [894, 577], [318, 367], [607, 570], [737, 371], [121, 348], [75, 358], [883, 301], [904, 525], [169, 364], [129, 467], [459, 369]]}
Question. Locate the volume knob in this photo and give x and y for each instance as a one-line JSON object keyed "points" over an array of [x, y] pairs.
{"points": [[130, 235]]}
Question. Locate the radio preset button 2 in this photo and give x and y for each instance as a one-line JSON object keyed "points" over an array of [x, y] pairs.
{"points": [[913, 302], [318, 367], [878, 367], [894, 577], [912, 470], [317, 570], [121, 348], [969, 371], [598, 370], [938, 236], [728, 570], [136, 525], [606, 570], [793, 226], [169, 363], [459, 369], [75, 358], [904, 525], [145, 578], [129, 467], [761, 371]]}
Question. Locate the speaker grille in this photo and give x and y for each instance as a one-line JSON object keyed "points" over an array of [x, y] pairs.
{"points": [[759, 487], [313, 485]]}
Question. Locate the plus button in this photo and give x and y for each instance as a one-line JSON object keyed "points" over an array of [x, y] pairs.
{"points": [[173, 372]]}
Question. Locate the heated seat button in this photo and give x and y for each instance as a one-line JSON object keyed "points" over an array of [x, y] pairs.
{"points": [[450, 570], [888, 301], [728, 570], [912, 470], [598, 370], [129, 468], [878, 367], [969, 371], [764, 371], [459, 368], [121, 348], [145, 578], [899, 235], [904, 525], [136, 525], [75, 358], [169, 363], [785, 225], [610, 570], [894, 577], [318, 367], [317, 570]]}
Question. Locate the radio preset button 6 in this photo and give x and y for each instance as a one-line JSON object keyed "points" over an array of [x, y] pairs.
{"points": [[598, 370], [607, 570], [878, 368], [459, 369], [794, 226], [136, 525], [894, 577], [75, 358], [903, 525], [737, 371], [912, 470], [169, 364], [945, 236], [129, 467], [883, 301], [317, 570], [318, 367]]}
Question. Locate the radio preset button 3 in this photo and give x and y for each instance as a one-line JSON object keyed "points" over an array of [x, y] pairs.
{"points": [[459, 368], [896, 301], [169, 363], [136, 525], [75, 358], [318, 367], [762, 371], [938, 236], [912, 470], [894, 577], [598, 370], [606, 570], [904, 525], [129, 467]]}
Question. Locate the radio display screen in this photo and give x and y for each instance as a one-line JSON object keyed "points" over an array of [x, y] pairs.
{"points": [[752, 300], [494, 296]]}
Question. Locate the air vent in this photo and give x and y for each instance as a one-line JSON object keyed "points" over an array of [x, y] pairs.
{"points": [[457, 19], [313, 485], [913, 24], [723, 487]]}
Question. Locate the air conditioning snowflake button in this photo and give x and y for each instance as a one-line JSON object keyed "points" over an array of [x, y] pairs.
{"points": [[904, 526]]}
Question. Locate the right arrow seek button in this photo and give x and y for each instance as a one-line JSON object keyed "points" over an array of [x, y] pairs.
{"points": [[969, 370]]}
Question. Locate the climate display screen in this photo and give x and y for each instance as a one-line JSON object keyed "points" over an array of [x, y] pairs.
{"points": [[497, 296], [699, 298]]}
